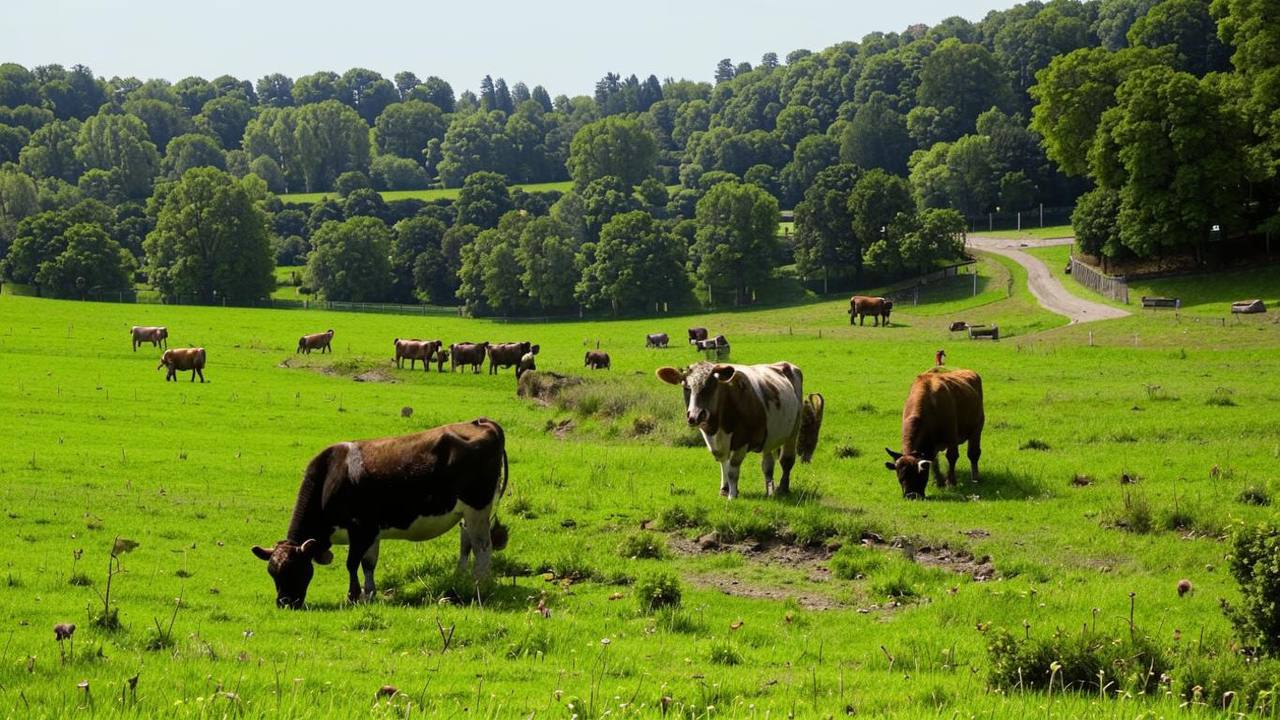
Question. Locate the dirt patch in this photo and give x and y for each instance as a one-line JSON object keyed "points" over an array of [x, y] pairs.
{"points": [[775, 551], [737, 588], [355, 368], [375, 375], [956, 560], [544, 386], [561, 429]]}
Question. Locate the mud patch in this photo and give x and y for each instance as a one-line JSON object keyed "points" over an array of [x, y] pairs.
{"points": [[956, 560], [775, 551], [375, 375], [355, 368], [737, 588]]}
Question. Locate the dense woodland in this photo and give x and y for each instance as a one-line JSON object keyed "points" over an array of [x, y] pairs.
{"points": [[1160, 117]]}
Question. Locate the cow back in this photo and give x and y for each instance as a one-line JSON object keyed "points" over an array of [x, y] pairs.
{"points": [[943, 407]]}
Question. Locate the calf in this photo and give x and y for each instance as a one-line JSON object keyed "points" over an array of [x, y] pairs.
{"points": [[943, 411], [878, 308], [317, 341], [507, 355], [183, 359], [413, 487], [749, 408], [415, 350], [463, 354], [157, 336], [697, 334], [597, 360], [656, 340]]}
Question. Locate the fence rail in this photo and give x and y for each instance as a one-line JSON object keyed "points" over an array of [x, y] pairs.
{"points": [[1112, 286], [1035, 217]]}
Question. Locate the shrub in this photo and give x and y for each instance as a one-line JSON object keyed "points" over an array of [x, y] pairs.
{"points": [[855, 561], [1255, 495], [1034, 444], [1255, 564], [1134, 515], [724, 652], [1221, 397], [846, 452], [643, 545], [1079, 662], [658, 590], [677, 517]]}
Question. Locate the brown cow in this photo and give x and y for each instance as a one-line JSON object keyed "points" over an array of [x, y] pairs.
{"points": [[943, 411], [442, 357], [183, 359], [415, 350], [157, 336], [463, 354], [750, 408], [507, 355], [413, 487], [697, 334], [656, 340], [597, 360], [527, 362], [877, 307], [317, 341]]}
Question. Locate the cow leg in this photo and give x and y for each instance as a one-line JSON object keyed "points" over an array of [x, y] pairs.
{"points": [[730, 470], [937, 471], [201, 371], [361, 541], [975, 452], [475, 523], [465, 548], [368, 564], [766, 466], [953, 454]]}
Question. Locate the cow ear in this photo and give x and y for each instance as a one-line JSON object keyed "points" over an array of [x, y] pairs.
{"points": [[535, 349], [892, 454], [311, 549], [724, 373], [891, 466], [261, 552], [670, 375]]}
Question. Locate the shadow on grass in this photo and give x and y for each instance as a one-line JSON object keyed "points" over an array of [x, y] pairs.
{"points": [[993, 485]]}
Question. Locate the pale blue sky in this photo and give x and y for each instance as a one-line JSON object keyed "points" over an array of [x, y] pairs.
{"points": [[565, 45]]}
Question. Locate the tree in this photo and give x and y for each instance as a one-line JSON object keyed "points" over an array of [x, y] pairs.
{"points": [[406, 81], [193, 93], [483, 200], [877, 138], [405, 128], [388, 172], [547, 252], [275, 90], [210, 240], [966, 77], [489, 279], [615, 147], [18, 86], [89, 259], [812, 155], [349, 260], [225, 117], [367, 92], [317, 88], [603, 199], [918, 242], [972, 185], [435, 91], [1115, 17], [472, 144], [876, 201], [1187, 27], [634, 266], [824, 225], [737, 238], [1095, 221], [330, 139], [435, 275], [18, 200], [411, 239], [164, 120], [191, 151], [119, 143]]}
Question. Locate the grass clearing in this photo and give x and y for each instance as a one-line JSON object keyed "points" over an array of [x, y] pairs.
{"points": [[1050, 232], [424, 195]]}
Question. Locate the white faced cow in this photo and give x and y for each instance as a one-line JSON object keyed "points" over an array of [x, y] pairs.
{"points": [[748, 408], [413, 487]]}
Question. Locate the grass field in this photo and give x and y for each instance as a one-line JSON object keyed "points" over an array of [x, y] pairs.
{"points": [[1045, 233], [97, 446], [432, 194]]}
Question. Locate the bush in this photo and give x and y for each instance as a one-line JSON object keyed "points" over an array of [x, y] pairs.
{"points": [[658, 590], [1255, 564], [724, 652], [1255, 495], [1134, 515], [643, 545], [855, 561], [678, 517], [1076, 661]]}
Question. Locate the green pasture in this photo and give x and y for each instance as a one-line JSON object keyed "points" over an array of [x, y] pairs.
{"points": [[96, 446], [425, 195], [1050, 232]]}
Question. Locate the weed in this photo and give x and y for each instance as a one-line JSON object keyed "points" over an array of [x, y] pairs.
{"points": [[678, 517], [724, 652], [847, 452], [1134, 515], [1255, 494], [1034, 444], [643, 425], [1087, 661], [1221, 397], [853, 562], [657, 590], [643, 545]]}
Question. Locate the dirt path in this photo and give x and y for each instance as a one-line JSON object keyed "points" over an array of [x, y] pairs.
{"points": [[1048, 291]]}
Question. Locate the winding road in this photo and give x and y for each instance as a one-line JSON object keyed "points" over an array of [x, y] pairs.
{"points": [[1048, 291]]}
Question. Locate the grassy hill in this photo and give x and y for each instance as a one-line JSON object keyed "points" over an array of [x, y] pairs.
{"points": [[426, 195]]}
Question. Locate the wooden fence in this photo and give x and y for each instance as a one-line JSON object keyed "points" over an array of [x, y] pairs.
{"points": [[1112, 286]]}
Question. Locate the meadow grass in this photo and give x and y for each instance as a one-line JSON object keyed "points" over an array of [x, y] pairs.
{"points": [[425, 195], [1049, 232], [97, 446]]}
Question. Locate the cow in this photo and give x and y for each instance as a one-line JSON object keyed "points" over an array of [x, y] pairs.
{"points": [[507, 355], [860, 306], [415, 350], [442, 357], [412, 487], [463, 354], [528, 362], [656, 340], [157, 336], [696, 334], [317, 341], [597, 360], [750, 408], [943, 410], [183, 359]]}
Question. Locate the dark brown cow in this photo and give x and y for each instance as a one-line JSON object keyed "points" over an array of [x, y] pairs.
{"points": [[697, 334], [463, 354], [415, 350], [527, 362], [718, 341], [877, 307], [656, 340], [943, 411], [157, 336], [442, 357], [413, 487], [749, 408], [597, 360], [183, 359], [507, 355], [317, 341]]}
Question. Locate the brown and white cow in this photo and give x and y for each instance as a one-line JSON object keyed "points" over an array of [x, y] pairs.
{"points": [[315, 341], [597, 360], [697, 334], [183, 359], [878, 308], [748, 408], [656, 340], [507, 355], [463, 354], [412, 487], [415, 350], [943, 411], [157, 336], [527, 362]]}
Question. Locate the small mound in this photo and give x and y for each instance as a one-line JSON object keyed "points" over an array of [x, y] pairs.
{"points": [[375, 375], [544, 386]]}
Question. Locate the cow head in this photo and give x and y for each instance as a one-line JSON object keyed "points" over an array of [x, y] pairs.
{"points": [[290, 566], [700, 382], [913, 473], [166, 359]]}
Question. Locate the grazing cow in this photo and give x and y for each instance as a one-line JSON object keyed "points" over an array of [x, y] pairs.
{"points": [[749, 408], [507, 355], [656, 340], [463, 354], [442, 357], [527, 362], [697, 334], [943, 410], [183, 359], [318, 341], [415, 350], [413, 487], [861, 306], [157, 336], [597, 360]]}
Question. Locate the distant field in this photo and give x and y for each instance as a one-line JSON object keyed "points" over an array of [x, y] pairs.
{"points": [[432, 194], [1045, 233]]}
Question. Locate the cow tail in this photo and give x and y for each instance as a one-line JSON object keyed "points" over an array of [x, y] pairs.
{"points": [[499, 533], [810, 425]]}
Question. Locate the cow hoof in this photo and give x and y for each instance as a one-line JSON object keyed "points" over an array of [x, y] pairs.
{"points": [[724, 492], [782, 490]]}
